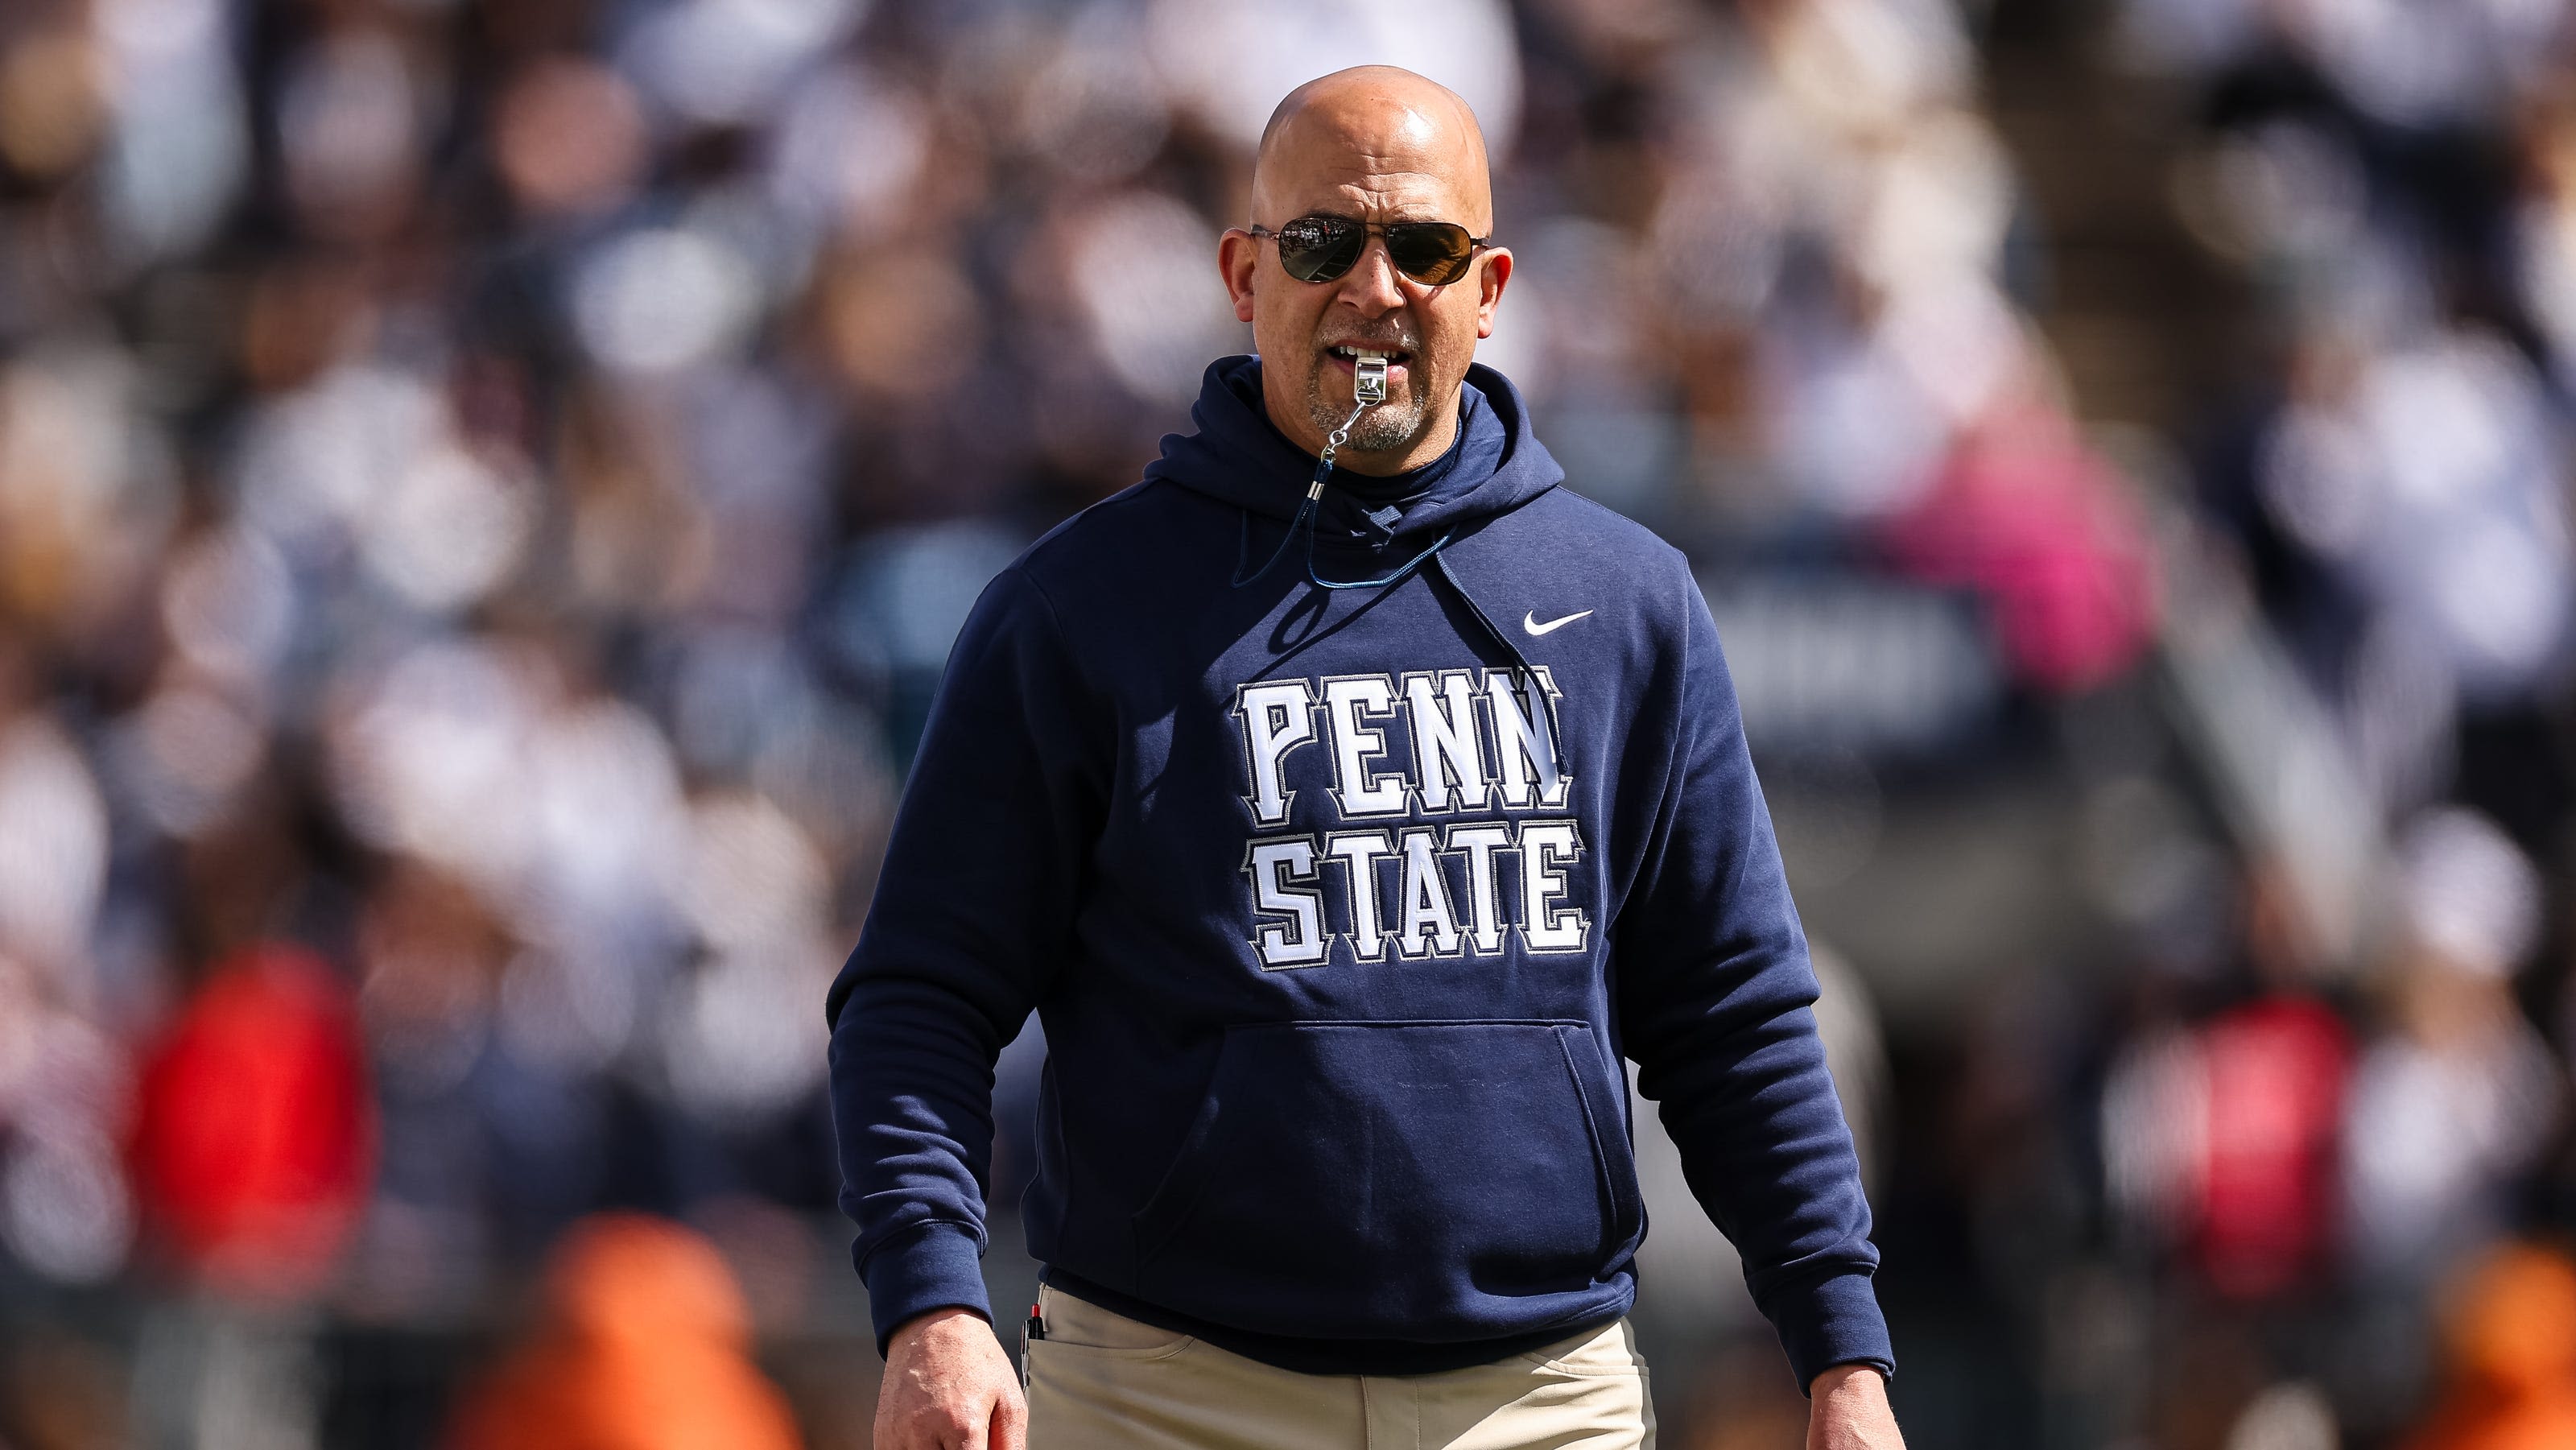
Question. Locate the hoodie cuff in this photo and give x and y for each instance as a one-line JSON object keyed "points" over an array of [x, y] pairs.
{"points": [[933, 1265], [1830, 1322]]}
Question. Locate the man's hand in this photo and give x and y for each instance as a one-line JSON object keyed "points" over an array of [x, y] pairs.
{"points": [[948, 1386], [1850, 1411]]}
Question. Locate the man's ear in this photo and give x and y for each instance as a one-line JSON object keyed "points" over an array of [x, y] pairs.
{"points": [[1494, 275], [1238, 253]]}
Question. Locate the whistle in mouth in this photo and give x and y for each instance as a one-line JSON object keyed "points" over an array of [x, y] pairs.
{"points": [[1368, 380]]}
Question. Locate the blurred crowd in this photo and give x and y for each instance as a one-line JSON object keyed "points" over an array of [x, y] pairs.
{"points": [[487, 488]]}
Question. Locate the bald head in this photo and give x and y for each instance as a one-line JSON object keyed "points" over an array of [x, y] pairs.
{"points": [[1376, 121], [1382, 147]]}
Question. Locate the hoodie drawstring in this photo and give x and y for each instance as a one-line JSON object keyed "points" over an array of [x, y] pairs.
{"points": [[1525, 675], [1305, 518], [1520, 662]]}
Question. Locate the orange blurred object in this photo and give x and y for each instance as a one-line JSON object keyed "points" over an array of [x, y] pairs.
{"points": [[2510, 1340], [643, 1344], [255, 1130]]}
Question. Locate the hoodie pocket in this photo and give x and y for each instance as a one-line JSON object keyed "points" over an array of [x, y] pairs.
{"points": [[1357, 1179]]}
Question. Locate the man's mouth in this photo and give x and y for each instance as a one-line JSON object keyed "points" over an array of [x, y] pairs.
{"points": [[1346, 356]]}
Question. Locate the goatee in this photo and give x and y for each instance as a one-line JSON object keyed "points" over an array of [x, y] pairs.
{"points": [[1394, 424]]}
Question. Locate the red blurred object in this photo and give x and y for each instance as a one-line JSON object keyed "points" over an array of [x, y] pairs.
{"points": [[2276, 1070], [2025, 514], [255, 1131], [644, 1344]]}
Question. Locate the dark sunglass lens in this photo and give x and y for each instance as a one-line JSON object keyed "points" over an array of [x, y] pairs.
{"points": [[1318, 249], [1432, 252]]}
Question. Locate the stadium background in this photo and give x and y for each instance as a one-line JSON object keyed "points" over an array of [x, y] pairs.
{"points": [[486, 490]]}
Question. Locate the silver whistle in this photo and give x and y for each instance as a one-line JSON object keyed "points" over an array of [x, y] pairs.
{"points": [[1368, 380]]}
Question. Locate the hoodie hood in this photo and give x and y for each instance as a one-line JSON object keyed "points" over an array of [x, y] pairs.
{"points": [[1239, 456]]}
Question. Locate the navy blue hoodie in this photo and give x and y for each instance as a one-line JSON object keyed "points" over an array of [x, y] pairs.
{"points": [[1340, 908]]}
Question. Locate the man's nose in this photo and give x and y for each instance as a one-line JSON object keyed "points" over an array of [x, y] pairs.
{"points": [[1372, 284]]}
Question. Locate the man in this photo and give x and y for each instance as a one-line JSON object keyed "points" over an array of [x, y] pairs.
{"points": [[1342, 882]]}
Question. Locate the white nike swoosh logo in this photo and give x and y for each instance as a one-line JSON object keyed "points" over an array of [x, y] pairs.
{"points": [[1530, 622]]}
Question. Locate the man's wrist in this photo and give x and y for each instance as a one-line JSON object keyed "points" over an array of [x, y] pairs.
{"points": [[932, 1265], [1833, 1377], [929, 1321], [1851, 1411]]}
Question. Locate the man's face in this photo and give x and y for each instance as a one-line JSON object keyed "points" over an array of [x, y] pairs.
{"points": [[1384, 164]]}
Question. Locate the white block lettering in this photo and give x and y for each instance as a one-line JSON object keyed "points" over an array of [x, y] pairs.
{"points": [[1448, 749], [1274, 866], [1545, 928], [1360, 851], [1429, 925], [1356, 747], [1484, 892], [1525, 738], [1277, 716]]}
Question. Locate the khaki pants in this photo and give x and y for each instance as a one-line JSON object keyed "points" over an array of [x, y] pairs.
{"points": [[1102, 1381]]}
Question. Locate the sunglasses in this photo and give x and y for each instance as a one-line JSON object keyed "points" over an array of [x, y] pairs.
{"points": [[1321, 248]]}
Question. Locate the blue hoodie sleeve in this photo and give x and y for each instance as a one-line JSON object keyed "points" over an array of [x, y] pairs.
{"points": [[1715, 1004], [974, 902]]}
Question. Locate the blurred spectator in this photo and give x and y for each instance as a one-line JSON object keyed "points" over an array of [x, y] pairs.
{"points": [[641, 1343], [2455, 1101], [2262, 1093], [2025, 514], [253, 1138]]}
